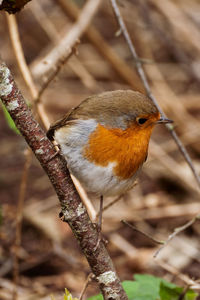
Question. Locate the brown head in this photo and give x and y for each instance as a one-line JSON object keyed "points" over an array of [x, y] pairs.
{"points": [[114, 109]]}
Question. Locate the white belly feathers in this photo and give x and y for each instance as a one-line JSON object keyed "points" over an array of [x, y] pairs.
{"points": [[94, 178]]}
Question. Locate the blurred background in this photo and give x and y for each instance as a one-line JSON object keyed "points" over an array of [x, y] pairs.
{"points": [[166, 35]]}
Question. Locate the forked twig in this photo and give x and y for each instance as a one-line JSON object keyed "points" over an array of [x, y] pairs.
{"points": [[170, 237], [175, 232], [67, 42], [62, 61], [148, 89], [183, 277]]}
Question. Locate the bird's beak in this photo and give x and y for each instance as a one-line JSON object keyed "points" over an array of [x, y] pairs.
{"points": [[164, 121]]}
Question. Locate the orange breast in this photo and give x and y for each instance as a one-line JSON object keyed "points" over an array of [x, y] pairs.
{"points": [[128, 148]]}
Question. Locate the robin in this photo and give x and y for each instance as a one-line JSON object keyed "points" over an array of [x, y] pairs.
{"points": [[105, 139]]}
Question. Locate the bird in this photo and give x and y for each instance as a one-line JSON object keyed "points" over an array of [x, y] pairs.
{"points": [[105, 139]]}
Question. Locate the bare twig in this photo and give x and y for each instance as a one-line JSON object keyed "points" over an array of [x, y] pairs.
{"points": [[157, 213], [191, 283], [55, 36], [19, 54], [148, 89], [70, 38], [95, 37], [143, 233], [60, 63], [114, 201], [163, 243], [88, 280], [111, 204], [176, 231], [169, 163], [87, 202]]}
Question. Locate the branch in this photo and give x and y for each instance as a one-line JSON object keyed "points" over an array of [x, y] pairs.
{"points": [[73, 211], [69, 40], [190, 282], [148, 89], [94, 36], [143, 233], [176, 232]]}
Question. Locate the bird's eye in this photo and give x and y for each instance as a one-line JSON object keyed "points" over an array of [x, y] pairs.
{"points": [[142, 120]]}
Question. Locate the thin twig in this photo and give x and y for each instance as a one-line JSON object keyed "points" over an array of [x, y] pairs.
{"points": [[62, 61], [110, 204], [26, 74], [115, 200], [86, 200], [95, 37], [55, 36], [176, 232], [148, 89], [88, 280], [143, 233], [19, 54], [67, 42], [169, 268]]}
